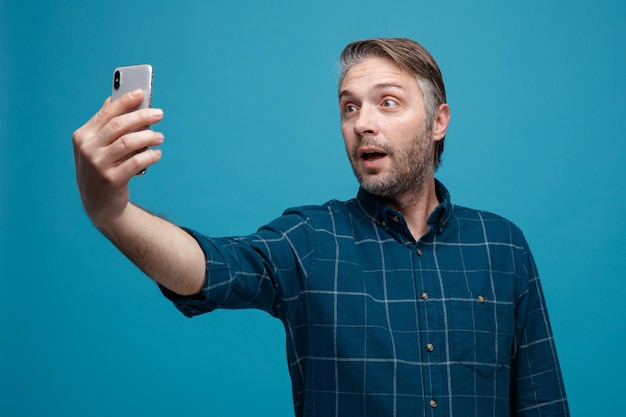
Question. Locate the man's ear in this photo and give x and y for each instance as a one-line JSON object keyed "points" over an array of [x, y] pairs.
{"points": [[441, 121]]}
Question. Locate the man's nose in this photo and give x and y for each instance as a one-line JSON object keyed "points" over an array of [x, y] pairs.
{"points": [[367, 121]]}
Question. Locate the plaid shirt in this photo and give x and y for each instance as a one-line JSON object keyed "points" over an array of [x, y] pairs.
{"points": [[378, 324]]}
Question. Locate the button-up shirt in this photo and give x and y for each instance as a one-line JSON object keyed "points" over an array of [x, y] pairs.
{"points": [[381, 324]]}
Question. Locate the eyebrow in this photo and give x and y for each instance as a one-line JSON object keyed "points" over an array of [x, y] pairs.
{"points": [[380, 86]]}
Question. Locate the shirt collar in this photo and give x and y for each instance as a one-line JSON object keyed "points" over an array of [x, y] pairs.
{"points": [[386, 216]]}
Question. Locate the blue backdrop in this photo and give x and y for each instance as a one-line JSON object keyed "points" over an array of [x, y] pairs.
{"points": [[251, 123]]}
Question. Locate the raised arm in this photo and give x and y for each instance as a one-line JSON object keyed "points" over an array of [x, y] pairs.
{"points": [[109, 152]]}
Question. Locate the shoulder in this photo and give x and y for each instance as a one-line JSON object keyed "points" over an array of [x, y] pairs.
{"points": [[327, 207], [313, 216], [322, 213], [492, 227]]}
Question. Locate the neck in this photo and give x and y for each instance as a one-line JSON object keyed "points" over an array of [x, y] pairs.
{"points": [[416, 207]]}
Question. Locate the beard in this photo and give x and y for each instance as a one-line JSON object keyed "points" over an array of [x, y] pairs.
{"points": [[411, 168]]}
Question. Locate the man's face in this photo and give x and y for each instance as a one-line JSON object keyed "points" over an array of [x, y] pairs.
{"points": [[383, 122]]}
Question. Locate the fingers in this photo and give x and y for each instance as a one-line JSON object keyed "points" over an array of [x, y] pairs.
{"points": [[113, 135], [113, 145], [109, 110], [127, 169], [112, 109], [127, 146], [118, 162], [120, 125], [116, 118]]}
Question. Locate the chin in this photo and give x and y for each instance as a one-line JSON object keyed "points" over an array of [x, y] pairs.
{"points": [[377, 186]]}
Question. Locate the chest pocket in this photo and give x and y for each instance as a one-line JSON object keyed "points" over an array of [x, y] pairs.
{"points": [[482, 329]]}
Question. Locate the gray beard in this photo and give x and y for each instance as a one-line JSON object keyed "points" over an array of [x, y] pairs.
{"points": [[411, 169]]}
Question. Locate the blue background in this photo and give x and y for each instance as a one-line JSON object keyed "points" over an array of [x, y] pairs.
{"points": [[251, 124]]}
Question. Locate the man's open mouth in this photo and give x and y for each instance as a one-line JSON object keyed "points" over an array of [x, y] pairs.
{"points": [[371, 156]]}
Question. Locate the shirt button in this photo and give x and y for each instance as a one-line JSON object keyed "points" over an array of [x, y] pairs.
{"points": [[433, 403], [383, 223], [430, 347], [481, 298], [396, 219], [424, 296], [419, 252]]}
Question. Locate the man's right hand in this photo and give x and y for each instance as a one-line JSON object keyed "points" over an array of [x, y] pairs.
{"points": [[109, 150]]}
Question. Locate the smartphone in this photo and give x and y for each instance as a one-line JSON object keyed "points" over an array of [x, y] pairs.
{"points": [[132, 77]]}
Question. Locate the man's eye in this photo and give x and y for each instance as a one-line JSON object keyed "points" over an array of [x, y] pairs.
{"points": [[349, 109], [389, 103]]}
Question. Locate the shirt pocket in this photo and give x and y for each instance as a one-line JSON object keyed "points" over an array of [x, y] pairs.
{"points": [[482, 328]]}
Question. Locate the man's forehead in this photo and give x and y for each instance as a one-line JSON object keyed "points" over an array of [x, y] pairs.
{"points": [[375, 73]]}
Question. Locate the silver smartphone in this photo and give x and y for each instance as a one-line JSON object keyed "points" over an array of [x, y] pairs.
{"points": [[132, 77]]}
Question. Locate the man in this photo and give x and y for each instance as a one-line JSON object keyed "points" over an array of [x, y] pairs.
{"points": [[394, 303]]}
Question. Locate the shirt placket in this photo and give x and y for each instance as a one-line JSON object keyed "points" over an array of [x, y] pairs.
{"points": [[434, 349], [431, 329]]}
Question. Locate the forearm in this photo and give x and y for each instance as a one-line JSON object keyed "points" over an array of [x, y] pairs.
{"points": [[537, 387], [164, 251]]}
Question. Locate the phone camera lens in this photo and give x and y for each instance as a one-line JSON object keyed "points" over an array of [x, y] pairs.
{"points": [[116, 80]]}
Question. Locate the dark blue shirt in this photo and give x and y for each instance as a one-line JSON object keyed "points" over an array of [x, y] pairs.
{"points": [[378, 324]]}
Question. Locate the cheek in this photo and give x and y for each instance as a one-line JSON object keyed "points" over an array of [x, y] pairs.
{"points": [[410, 131]]}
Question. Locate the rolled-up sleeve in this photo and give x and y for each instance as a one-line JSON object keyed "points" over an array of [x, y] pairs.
{"points": [[251, 271]]}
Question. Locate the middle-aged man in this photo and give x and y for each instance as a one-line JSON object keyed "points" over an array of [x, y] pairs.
{"points": [[394, 303]]}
